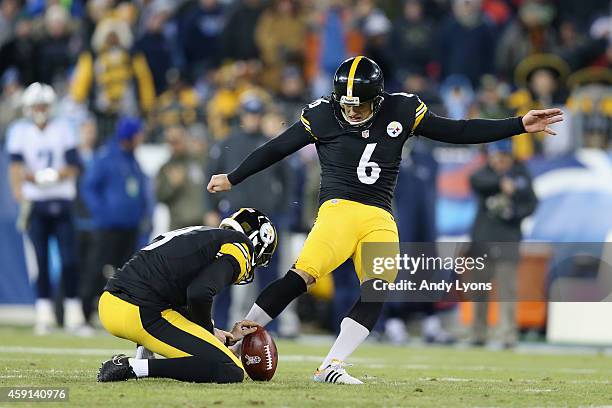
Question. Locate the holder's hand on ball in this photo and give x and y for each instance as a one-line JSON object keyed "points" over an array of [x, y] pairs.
{"points": [[242, 328], [225, 337], [236, 348]]}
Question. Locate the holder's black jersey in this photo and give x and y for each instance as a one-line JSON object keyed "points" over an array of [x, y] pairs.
{"points": [[159, 274], [361, 163]]}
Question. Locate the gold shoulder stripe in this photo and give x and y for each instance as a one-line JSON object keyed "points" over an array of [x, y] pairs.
{"points": [[420, 112], [307, 127], [238, 254], [245, 252], [419, 116], [351, 77], [419, 108], [305, 123]]}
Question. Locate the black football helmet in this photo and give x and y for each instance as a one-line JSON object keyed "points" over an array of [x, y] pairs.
{"points": [[357, 80], [260, 230]]}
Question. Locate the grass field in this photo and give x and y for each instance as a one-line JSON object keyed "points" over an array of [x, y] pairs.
{"points": [[406, 376]]}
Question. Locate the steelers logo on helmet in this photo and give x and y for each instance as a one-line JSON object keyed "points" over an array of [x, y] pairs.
{"points": [[267, 234]]}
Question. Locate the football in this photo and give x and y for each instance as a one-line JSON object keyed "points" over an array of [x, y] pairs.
{"points": [[259, 355]]}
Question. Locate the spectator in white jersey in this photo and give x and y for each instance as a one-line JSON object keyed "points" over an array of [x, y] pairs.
{"points": [[43, 171]]}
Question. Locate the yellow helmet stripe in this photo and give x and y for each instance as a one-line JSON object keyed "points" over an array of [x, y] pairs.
{"points": [[351, 77]]}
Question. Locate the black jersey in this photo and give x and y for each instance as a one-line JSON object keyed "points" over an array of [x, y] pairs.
{"points": [[158, 275], [362, 163]]}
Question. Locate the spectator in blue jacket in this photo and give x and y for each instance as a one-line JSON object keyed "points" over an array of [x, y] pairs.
{"points": [[115, 191]]}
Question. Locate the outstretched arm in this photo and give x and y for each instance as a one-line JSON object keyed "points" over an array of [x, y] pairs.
{"points": [[487, 130], [290, 141]]}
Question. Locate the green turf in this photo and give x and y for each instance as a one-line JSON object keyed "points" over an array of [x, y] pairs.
{"points": [[407, 376]]}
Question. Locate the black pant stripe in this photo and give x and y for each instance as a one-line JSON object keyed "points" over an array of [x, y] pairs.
{"points": [[161, 329]]}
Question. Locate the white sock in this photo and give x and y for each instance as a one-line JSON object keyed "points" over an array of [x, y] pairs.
{"points": [[431, 326], [140, 367], [45, 313], [73, 313], [395, 329], [143, 353], [352, 334], [258, 315]]}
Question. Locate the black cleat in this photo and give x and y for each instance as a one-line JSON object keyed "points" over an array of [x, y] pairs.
{"points": [[116, 369]]}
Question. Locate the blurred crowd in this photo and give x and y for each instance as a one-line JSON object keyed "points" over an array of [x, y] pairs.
{"points": [[213, 79], [189, 63]]}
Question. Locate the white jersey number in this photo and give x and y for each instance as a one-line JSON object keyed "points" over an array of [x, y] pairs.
{"points": [[365, 163], [168, 236]]}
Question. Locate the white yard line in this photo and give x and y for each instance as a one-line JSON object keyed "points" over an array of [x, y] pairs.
{"points": [[460, 379], [107, 352], [63, 351], [537, 390], [514, 381]]}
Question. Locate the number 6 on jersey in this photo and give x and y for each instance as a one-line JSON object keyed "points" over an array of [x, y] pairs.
{"points": [[364, 163]]}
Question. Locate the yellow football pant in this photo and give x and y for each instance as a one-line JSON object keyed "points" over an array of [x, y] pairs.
{"points": [[167, 333], [341, 227]]}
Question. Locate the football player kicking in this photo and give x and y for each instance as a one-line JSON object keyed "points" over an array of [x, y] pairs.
{"points": [[161, 300], [359, 131]]}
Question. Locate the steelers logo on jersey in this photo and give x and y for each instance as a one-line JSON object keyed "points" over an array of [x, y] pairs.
{"points": [[394, 129]]}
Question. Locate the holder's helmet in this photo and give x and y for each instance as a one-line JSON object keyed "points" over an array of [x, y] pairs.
{"points": [[260, 230]]}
